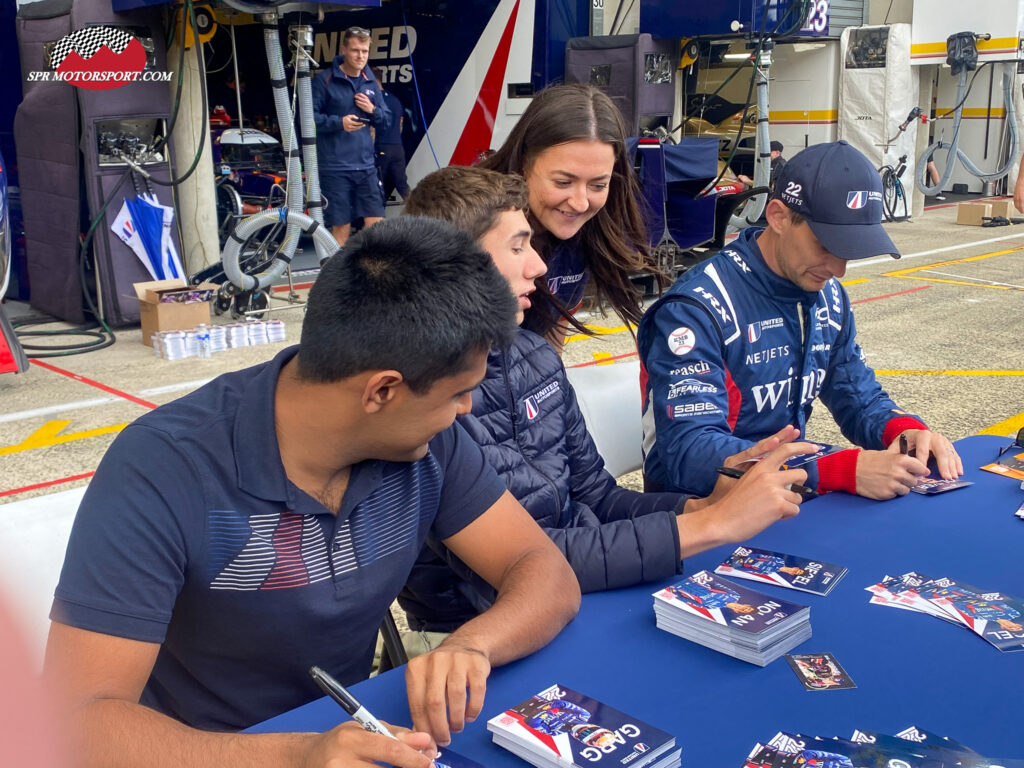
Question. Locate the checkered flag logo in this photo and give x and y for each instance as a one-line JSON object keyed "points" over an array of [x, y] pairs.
{"points": [[87, 42]]}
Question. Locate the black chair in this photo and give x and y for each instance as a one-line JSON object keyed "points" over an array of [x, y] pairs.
{"points": [[725, 207], [393, 653]]}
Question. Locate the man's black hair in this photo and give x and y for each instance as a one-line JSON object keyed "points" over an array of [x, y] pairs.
{"points": [[411, 294]]}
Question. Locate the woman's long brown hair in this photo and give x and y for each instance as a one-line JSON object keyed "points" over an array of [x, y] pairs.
{"points": [[614, 242]]}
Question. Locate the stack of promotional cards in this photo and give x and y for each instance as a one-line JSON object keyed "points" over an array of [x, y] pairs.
{"points": [[913, 747], [782, 570], [731, 618], [995, 616], [561, 728]]}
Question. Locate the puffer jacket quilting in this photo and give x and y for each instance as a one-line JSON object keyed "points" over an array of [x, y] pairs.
{"points": [[526, 419]]}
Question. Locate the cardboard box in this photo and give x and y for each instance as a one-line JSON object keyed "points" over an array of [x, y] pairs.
{"points": [[973, 213], [1003, 208], [172, 305]]}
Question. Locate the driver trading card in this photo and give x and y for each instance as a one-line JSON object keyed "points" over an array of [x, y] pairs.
{"points": [[932, 485], [906, 592], [933, 754], [821, 449], [792, 571], [831, 751], [927, 738], [819, 671], [761, 756]]}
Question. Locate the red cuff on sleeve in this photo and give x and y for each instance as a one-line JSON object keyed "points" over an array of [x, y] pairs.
{"points": [[899, 424], [838, 471]]}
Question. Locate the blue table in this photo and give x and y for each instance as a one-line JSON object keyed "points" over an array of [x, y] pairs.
{"points": [[910, 669]]}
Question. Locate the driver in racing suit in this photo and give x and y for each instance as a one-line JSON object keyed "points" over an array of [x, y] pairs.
{"points": [[744, 343]]}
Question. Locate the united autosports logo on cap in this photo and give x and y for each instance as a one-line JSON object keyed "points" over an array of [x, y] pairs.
{"points": [[99, 59], [856, 200]]}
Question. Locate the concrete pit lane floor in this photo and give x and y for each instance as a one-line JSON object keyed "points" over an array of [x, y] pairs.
{"points": [[941, 327]]}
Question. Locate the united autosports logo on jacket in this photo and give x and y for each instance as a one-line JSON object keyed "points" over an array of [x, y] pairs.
{"points": [[533, 401], [99, 59]]}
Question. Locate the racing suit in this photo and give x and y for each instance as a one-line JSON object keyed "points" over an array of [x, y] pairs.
{"points": [[732, 353]]}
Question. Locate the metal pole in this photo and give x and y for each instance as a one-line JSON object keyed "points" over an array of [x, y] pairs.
{"points": [[238, 84]]}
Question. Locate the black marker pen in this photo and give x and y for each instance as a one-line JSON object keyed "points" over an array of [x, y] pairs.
{"points": [[803, 490], [348, 702]]}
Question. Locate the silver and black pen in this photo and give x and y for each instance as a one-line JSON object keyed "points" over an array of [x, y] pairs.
{"points": [[348, 702]]}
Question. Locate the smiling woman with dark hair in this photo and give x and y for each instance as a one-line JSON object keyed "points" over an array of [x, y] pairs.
{"points": [[570, 146]]}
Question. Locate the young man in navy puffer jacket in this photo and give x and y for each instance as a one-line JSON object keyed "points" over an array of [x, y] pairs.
{"points": [[526, 418]]}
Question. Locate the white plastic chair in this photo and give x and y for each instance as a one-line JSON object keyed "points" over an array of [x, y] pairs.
{"points": [[33, 537], [609, 397]]}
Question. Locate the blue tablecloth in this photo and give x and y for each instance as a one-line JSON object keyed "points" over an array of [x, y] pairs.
{"points": [[910, 669]]}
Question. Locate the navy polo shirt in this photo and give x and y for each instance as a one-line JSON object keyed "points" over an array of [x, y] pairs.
{"points": [[191, 535]]}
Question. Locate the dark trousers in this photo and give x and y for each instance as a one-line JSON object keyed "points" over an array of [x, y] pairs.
{"points": [[391, 164]]}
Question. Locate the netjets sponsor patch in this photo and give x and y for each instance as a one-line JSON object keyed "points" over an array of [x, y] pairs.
{"points": [[681, 341], [690, 387], [533, 401]]}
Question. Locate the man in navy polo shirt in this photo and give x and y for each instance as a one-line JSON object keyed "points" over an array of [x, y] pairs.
{"points": [[742, 345], [347, 100], [264, 523]]}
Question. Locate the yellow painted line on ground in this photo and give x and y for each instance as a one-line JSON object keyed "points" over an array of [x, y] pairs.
{"points": [[598, 331], [604, 358], [907, 273], [951, 373], [1007, 427], [49, 434], [844, 283], [960, 282]]}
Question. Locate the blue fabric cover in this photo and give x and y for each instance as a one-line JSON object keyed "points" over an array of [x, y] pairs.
{"points": [[692, 159]]}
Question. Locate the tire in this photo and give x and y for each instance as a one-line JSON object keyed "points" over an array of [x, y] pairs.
{"points": [[894, 196], [229, 210]]}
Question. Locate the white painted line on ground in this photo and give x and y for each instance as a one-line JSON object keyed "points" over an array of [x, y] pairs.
{"points": [[174, 387], [35, 413], [932, 252], [52, 409], [972, 279]]}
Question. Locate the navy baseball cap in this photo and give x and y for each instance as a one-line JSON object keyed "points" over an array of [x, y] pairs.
{"points": [[839, 192]]}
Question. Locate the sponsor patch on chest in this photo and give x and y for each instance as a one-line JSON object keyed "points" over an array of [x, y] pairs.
{"points": [[533, 401]]}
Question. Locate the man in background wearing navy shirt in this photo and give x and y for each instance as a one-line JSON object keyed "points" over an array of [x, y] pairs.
{"points": [[347, 100], [264, 523]]}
